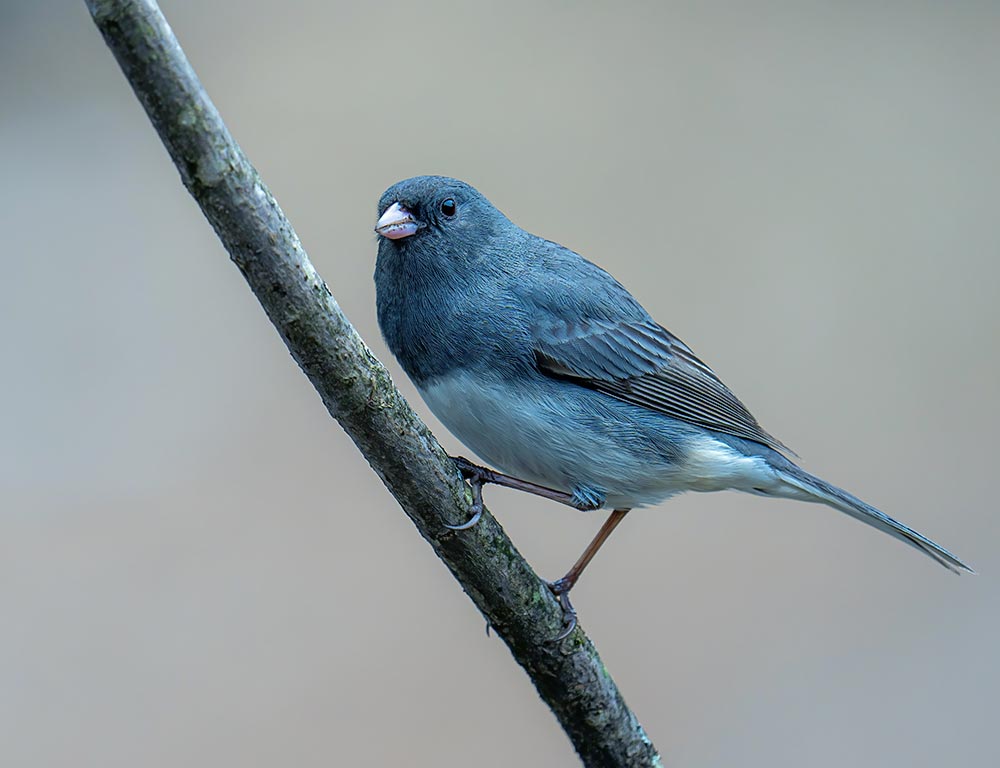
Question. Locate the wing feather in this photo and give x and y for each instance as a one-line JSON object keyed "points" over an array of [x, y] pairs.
{"points": [[642, 363]]}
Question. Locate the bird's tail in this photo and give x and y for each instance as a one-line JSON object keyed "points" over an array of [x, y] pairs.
{"points": [[808, 487]]}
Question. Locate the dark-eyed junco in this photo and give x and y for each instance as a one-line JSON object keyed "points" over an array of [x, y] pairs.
{"points": [[546, 367]]}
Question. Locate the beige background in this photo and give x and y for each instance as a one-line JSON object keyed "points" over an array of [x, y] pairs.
{"points": [[196, 566]]}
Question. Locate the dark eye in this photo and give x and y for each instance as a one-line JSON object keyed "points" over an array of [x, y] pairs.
{"points": [[448, 207]]}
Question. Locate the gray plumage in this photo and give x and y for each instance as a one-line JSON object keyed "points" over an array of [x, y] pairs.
{"points": [[548, 368]]}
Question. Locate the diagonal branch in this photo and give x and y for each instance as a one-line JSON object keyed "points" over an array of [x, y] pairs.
{"points": [[357, 391]]}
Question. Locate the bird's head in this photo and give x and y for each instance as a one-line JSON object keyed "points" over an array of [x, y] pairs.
{"points": [[434, 213]]}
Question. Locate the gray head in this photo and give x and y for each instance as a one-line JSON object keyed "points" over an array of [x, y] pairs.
{"points": [[441, 245], [439, 219]]}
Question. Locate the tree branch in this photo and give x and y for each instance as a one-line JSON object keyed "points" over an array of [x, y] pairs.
{"points": [[357, 391]]}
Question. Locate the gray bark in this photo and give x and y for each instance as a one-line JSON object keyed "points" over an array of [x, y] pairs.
{"points": [[359, 394]]}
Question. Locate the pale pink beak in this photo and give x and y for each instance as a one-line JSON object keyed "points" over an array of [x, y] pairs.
{"points": [[396, 223]]}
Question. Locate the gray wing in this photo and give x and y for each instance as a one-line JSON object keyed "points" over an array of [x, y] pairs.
{"points": [[642, 363]]}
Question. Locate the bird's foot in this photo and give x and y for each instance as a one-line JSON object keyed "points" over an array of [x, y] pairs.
{"points": [[560, 588], [476, 476]]}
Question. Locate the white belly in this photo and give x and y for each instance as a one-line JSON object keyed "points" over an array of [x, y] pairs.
{"points": [[541, 434]]}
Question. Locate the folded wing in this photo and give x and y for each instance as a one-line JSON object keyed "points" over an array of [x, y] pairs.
{"points": [[640, 362]]}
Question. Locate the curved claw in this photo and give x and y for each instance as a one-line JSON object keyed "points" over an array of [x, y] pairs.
{"points": [[560, 589], [570, 622], [468, 523], [477, 507]]}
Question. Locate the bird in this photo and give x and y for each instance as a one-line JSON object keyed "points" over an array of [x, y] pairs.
{"points": [[548, 369]]}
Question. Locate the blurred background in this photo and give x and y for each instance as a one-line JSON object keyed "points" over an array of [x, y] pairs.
{"points": [[198, 568]]}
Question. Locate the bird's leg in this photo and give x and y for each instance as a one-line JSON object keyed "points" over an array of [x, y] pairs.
{"points": [[478, 477], [561, 587]]}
